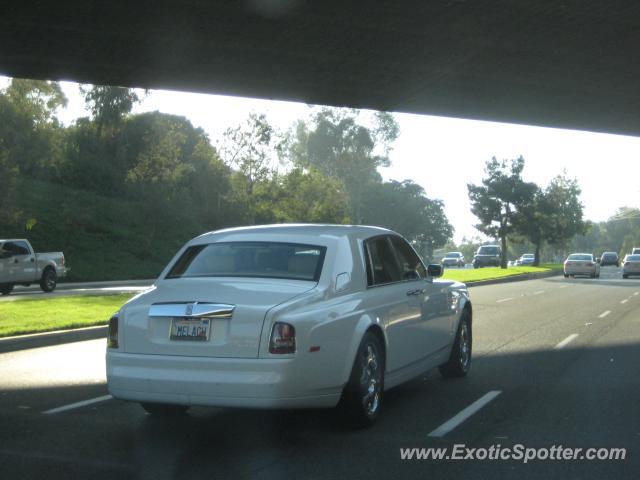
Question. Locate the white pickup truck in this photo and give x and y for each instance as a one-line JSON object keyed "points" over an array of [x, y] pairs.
{"points": [[20, 265]]}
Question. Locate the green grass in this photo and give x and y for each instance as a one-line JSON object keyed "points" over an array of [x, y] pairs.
{"points": [[476, 275], [45, 315]]}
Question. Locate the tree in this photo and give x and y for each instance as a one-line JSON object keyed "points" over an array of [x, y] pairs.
{"points": [[339, 147], [37, 100], [108, 105], [249, 147], [500, 198], [405, 208]]}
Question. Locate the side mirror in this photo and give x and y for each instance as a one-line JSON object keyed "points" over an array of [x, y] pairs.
{"points": [[434, 270]]}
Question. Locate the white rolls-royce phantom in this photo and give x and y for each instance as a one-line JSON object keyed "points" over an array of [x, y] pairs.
{"points": [[288, 316]]}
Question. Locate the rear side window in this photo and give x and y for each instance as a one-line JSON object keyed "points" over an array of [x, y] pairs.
{"points": [[580, 257], [251, 259], [488, 251], [410, 264], [633, 258], [382, 266]]}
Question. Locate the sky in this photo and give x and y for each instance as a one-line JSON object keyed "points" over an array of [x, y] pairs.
{"points": [[441, 154]]}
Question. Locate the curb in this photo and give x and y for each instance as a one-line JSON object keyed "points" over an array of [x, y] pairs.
{"points": [[515, 278], [37, 340]]}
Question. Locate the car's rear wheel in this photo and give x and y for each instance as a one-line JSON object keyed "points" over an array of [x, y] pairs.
{"points": [[6, 288], [49, 280], [625, 276], [566, 275], [459, 361], [164, 409], [362, 397]]}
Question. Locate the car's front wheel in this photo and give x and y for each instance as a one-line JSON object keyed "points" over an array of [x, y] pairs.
{"points": [[362, 397], [164, 409], [459, 361], [6, 288]]}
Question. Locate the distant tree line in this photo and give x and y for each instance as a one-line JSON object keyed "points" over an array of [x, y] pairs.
{"points": [[511, 209], [324, 169]]}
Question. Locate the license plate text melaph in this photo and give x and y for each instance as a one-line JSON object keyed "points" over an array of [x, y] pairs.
{"points": [[190, 329]]}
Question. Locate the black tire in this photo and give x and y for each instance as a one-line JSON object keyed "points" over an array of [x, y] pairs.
{"points": [[361, 400], [459, 361], [566, 275], [6, 288], [625, 276], [164, 409], [49, 280]]}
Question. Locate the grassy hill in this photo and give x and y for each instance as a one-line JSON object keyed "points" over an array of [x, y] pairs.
{"points": [[103, 238]]}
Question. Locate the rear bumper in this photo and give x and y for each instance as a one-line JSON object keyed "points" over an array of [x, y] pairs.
{"points": [[579, 270], [220, 382]]}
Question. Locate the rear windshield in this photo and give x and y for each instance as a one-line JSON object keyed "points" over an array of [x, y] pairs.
{"points": [[633, 258], [528, 255], [609, 254], [577, 256], [488, 251], [452, 255], [250, 259]]}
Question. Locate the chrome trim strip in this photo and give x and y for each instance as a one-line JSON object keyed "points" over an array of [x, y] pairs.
{"points": [[192, 309]]}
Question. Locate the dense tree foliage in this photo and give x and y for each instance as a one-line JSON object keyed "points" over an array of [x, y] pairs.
{"points": [[620, 233], [500, 199], [119, 192], [553, 216]]}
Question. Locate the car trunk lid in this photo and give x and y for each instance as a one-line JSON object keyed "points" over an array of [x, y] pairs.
{"points": [[225, 314]]}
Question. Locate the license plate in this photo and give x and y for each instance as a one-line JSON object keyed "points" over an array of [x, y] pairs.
{"points": [[193, 329]]}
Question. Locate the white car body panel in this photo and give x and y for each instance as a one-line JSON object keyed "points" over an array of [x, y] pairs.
{"points": [[235, 369]]}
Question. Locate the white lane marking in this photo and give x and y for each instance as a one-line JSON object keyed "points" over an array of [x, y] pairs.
{"points": [[562, 286], [604, 314], [453, 422], [636, 294], [538, 292], [504, 300], [84, 403], [566, 341], [624, 301]]}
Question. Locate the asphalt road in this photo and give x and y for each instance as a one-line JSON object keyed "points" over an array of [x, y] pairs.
{"points": [[562, 370]]}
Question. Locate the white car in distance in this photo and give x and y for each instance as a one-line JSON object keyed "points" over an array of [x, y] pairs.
{"points": [[288, 316], [581, 264], [631, 265]]}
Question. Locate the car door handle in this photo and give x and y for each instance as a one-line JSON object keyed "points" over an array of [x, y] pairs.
{"points": [[417, 291]]}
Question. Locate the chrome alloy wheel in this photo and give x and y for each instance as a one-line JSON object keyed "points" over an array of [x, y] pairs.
{"points": [[465, 346], [371, 379]]}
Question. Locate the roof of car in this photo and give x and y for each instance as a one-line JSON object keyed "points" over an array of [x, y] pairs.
{"points": [[305, 229]]}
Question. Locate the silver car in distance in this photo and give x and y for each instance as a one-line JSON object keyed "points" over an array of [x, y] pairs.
{"points": [[581, 264], [288, 316]]}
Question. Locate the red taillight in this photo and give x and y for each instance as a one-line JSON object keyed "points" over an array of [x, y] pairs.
{"points": [[112, 335], [62, 261], [627, 263], [283, 339], [590, 264]]}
